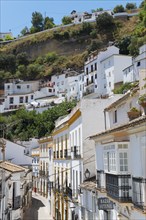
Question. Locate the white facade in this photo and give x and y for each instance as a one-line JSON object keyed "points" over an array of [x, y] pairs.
{"points": [[73, 149], [115, 161], [116, 113], [79, 17], [112, 72], [104, 70], [35, 152], [16, 153], [4, 34], [132, 73], [16, 190]]}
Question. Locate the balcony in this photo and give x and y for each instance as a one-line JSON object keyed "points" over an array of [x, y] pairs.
{"points": [[69, 192], [67, 154], [42, 173], [75, 152], [118, 187], [54, 154], [61, 154], [138, 191], [16, 202]]}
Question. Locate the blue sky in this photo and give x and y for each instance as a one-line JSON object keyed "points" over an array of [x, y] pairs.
{"points": [[16, 14]]}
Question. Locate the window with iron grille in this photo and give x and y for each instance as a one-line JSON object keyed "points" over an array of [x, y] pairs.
{"points": [[139, 190]]}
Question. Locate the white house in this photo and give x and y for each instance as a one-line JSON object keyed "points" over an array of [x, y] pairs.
{"points": [[16, 153], [80, 17], [69, 84], [131, 73], [74, 153], [120, 187], [17, 190], [104, 70], [117, 113], [5, 207], [4, 34], [17, 93], [111, 72]]}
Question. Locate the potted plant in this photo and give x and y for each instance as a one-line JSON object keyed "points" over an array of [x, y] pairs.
{"points": [[142, 102], [133, 113]]}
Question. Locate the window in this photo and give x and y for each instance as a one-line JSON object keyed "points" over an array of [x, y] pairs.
{"points": [[50, 90], [138, 63], [109, 84], [87, 70], [95, 66], [21, 99], [92, 79], [110, 161], [123, 159], [27, 86], [139, 185], [11, 101], [95, 86], [115, 116], [104, 86], [58, 84], [18, 87], [95, 76], [62, 83], [31, 96], [91, 68], [8, 87], [26, 99]]}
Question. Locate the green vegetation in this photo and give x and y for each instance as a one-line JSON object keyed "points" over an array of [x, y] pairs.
{"points": [[27, 124], [68, 47], [130, 6], [105, 22], [119, 8], [66, 20], [39, 23], [124, 87], [134, 109]]}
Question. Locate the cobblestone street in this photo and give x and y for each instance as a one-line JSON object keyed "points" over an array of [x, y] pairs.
{"points": [[38, 209]]}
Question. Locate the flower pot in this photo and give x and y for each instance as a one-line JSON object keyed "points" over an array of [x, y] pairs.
{"points": [[132, 115]]}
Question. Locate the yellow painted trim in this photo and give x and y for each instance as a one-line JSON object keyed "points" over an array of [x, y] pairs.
{"points": [[60, 130], [74, 117], [49, 139]]}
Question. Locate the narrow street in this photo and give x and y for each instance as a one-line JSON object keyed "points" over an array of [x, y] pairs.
{"points": [[38, 209]]}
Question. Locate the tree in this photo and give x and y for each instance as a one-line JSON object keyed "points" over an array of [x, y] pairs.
{"points": [[104, 22], [25, 31], [66, 20], [22, 59], [86, 28], [51, 57], [130, 6], [48, 23], [123, 45], [119, 8], [37, 21], [141, 4], [8, 37]]}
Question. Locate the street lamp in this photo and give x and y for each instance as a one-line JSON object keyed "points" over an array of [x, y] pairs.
{"points": [[87, 173]]}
